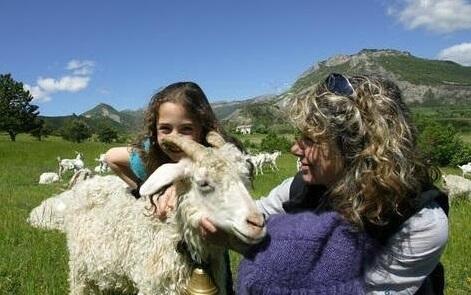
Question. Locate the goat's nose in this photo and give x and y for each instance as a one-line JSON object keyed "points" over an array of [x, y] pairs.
{"points": [[256, 220]]}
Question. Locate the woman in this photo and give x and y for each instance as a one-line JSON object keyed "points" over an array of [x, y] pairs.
{"points": [[359, 160]]}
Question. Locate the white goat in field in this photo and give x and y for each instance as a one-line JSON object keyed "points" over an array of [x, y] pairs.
{"points": [[70, 164], [48, 177], [115, 243], [102, 164], [457, 185], [270, 159], [257, 162], [261, 159], [465, 168]]}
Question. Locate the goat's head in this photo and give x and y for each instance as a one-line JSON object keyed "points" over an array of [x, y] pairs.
{"points": [[215, 179], [78, 155]]}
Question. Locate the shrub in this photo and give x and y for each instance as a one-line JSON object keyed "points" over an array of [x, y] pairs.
{"points": [[462, 156], [272, 142], [76, 130], [439, 143], [107, 134]]}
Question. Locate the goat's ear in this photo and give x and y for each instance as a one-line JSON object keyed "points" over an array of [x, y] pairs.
{"points": [[165, 175], [215, 139]]}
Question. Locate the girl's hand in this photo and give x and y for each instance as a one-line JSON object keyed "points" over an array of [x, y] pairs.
{"points": [[166, 203]]}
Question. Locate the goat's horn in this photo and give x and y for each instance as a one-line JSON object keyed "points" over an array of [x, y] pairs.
{"points": [[215, 139], [191, 148]]}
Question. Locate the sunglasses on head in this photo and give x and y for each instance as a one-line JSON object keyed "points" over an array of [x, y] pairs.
{"points": [[339, 84]]}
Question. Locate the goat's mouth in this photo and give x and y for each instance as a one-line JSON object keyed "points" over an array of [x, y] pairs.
{"points": [[247, 238]]}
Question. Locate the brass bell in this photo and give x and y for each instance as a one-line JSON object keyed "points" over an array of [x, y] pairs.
{"points": [[201, 283]]}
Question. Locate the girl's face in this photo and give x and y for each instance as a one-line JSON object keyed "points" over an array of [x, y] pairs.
{"points": [[320, 162], [174, 119]]}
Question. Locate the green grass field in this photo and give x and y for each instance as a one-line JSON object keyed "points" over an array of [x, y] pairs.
{"points": [[33, 261]]}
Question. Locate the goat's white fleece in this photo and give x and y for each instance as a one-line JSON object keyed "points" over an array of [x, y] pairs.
{"points": [[50, 213], [114, 243]]}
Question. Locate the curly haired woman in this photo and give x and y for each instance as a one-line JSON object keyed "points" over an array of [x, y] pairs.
{"points": [[363, 215]]}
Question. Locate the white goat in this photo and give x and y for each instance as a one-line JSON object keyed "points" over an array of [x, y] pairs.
{"points": [[48, 177], [298, 164], [270, 159], [465, 168], [102, 165], [261, 159], [257, 162], [70, 164], [115, 243], [457, 185]]}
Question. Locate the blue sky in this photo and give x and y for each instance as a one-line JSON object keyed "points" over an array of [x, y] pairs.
{"points": [[72, 55]]}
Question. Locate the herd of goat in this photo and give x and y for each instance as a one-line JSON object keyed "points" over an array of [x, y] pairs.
{"points": [[77, 166], [258, 161], [455, 185]]}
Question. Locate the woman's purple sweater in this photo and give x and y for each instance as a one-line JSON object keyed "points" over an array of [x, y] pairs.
{"points": [[306, 253]]}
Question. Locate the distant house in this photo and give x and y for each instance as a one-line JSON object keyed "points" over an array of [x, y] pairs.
{"points": [[244, 129]]}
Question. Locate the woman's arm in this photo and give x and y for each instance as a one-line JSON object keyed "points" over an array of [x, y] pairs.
{"points": [[273, 203], [410, 255]]}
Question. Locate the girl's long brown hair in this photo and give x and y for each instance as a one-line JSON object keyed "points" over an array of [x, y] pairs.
{"points": [[195, 102]]}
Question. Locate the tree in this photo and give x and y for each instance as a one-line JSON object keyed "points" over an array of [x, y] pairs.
{"points": [[16, 113], [40, 129], [107, 134], [76, 130]]}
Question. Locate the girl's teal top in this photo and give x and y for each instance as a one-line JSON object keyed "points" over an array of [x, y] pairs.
{"points": [[136, 163]]}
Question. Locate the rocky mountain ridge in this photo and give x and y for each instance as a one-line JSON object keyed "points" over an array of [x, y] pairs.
{"points": [[423, 82]]}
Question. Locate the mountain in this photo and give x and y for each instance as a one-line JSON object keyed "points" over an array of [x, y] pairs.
{"points": [[104, 110], [126, 121], [424, 82], [129, 119]]}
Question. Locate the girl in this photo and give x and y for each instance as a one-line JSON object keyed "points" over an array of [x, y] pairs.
{"points": [[180, 108]]}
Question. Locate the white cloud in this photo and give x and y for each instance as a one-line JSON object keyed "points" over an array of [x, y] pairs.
{"points": [[38, 94], [79, 80], [81, 67], [66, 83], [460, 53], [441, 16]]}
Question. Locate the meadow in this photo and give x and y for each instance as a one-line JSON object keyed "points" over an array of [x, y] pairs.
{"points": [[33, 261]]}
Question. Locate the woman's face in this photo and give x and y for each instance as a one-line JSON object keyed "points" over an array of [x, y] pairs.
{"points": [[320, 162], [174, 119]]}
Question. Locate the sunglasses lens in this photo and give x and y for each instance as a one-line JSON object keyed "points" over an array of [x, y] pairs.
{"points": [[339, 84]]}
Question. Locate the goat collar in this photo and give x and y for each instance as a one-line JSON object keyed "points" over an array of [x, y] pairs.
{"points": [[182, 248]]}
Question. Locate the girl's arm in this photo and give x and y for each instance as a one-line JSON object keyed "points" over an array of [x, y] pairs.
{"points": [[118, 160]]}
